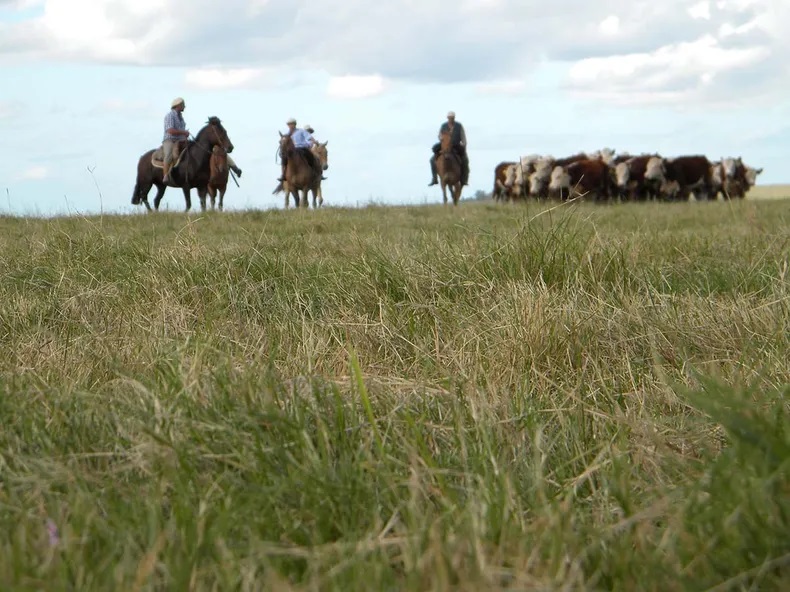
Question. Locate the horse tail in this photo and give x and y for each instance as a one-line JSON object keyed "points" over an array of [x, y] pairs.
{"points": [[136, 194], [142, 185]]}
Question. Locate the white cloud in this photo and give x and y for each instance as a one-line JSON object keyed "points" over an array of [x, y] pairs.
{"points": [[700, 10], [610, 25], [224, 78], [36, 172], [21, 4], [685, 71], [355, 87], [363, 44]]}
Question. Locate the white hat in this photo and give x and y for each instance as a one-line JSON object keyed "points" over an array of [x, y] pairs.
{"points": [[308, 127], [451, 114], [291, 120], [176, 102]]}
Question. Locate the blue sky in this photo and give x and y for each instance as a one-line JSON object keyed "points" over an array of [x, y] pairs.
{"points": [[86, 85]]}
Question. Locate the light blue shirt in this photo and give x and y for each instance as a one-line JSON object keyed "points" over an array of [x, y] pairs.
{"points": [[301, 138]]}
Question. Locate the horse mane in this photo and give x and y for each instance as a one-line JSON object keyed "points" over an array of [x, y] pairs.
{"points": [[213, 120]]}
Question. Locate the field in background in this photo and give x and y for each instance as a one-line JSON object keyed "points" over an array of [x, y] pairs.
{"points": [[769, 192], [481, 398]]}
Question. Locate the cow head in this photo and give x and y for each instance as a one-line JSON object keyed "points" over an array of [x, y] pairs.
{"points": [[656, 169], [751, 175], [622, 174]]}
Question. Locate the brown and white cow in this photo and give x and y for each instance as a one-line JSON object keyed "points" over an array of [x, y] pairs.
{"points": [[739, 179], [500, 175], [587, 177], [678, 177], [628, 177], [517, 180], [541, 180]]}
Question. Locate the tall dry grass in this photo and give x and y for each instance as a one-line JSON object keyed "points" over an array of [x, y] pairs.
{"points": [[489, 398]]}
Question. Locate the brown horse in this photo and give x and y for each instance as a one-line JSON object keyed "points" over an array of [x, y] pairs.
{"points": [[218, 175], [300, 175], [193, 168], [322, 154], [448, 167]]}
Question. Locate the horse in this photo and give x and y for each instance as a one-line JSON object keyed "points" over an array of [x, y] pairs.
{"points": [[322, 154], [191, 169], [448, 167], [218, 175], [300, 175]]}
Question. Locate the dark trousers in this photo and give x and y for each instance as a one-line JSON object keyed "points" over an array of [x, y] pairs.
{"points": [[461, 152]]}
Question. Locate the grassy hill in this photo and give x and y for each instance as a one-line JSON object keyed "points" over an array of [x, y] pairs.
{"points": [[769, 192], [485, 398]]}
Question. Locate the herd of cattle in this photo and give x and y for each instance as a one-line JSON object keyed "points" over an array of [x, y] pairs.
{"points": [[604, 176]]}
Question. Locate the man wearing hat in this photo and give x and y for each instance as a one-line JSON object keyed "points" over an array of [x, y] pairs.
{"points": [[303, 139], [175, 132], [458, 141]]}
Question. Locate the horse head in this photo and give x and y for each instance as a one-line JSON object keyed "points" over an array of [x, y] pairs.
{"points": [[285, 143], [322, 154], [446, 146], [220, 136]]}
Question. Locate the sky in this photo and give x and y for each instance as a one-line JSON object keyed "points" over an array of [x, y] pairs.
{"points": [[86, 85]]}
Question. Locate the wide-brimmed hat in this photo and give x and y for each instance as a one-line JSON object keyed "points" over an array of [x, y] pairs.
{"points": [[176, 102], [290, 120]]}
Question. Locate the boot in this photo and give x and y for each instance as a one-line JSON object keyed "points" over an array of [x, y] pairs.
{"points": [[434, 174], [237, 170]]}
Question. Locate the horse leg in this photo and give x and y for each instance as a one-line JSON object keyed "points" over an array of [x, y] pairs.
{"points": [[212, 193], [444, 191], [160, 193], [202, 195], [221, 198], [187, 198], [305, 201]]}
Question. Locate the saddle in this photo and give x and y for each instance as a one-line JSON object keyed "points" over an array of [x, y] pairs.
{"points": [[158, 157]]}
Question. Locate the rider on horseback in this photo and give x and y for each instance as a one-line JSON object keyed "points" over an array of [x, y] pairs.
{"points": [[176, 137], [176, 132], [303, 140], [458, 140]]}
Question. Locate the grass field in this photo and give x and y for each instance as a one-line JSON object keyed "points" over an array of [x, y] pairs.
{"points": [[411, 398], [769, 192]]}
